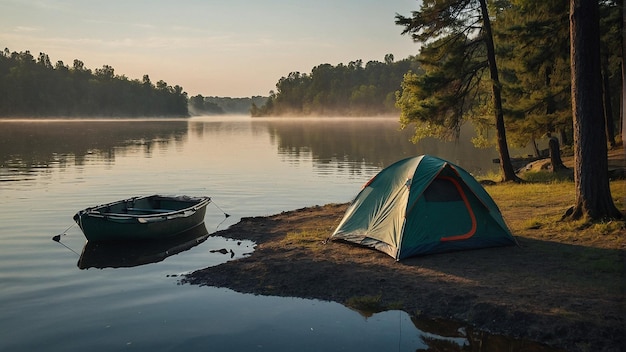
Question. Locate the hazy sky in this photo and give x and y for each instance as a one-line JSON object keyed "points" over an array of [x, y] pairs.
{"points": [[230, 48]]}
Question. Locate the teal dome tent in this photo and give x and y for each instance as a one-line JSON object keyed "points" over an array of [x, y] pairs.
{"points": [[423, 205]]}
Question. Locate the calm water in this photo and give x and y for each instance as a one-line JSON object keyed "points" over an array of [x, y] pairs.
{"points": [[51, 169]]}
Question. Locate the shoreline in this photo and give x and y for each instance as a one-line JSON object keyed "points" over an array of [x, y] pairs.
{"points": [[525, 292], [568, 293]]}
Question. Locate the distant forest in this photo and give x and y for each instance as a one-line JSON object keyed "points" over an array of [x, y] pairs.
{"points": [[199, 105], [35, 87], [342, 90]]}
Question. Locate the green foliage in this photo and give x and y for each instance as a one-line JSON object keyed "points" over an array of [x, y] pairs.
{"points": [[534, 54], [441, 18], [458, 54], [455, 86], [611, 28], [32, 88], [439, 100], [533, 41], [346, 90]]}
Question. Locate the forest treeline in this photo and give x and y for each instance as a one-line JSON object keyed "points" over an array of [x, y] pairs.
{"points": [[213, 105], [342, 90], [36, 87]]}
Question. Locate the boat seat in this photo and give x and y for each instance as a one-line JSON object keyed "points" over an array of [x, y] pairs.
{"points": [[150, 210]]}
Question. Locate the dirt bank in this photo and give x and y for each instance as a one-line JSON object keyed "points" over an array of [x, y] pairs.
{"points": [[523, 291], [567, 295]]}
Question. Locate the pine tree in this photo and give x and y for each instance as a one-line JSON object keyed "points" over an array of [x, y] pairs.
{"points": [[534, 56], [458, 31]]}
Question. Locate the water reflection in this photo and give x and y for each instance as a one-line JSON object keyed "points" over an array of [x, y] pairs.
{"points": [[345, 144], [27, 145], [125, 254], [444, 335], [350, 143]]}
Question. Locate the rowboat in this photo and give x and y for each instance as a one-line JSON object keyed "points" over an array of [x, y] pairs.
{"points": [[142, 218], [126, 254]]}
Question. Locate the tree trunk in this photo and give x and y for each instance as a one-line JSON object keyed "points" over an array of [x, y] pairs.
{"points": [[623, 102], [555, 155], [608, 107], [564, 139], [535, 148], [508, 173], [593, 195]]}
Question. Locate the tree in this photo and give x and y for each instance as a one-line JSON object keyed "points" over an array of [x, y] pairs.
{"points": [[591, 180], [461, 23], [623, 67], [78, 65], [439, 100], [44, 60], [611, 39], [146, 81], [536, 78]]}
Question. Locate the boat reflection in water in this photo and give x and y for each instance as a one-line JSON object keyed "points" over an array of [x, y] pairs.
{"points": [[125, 254]]}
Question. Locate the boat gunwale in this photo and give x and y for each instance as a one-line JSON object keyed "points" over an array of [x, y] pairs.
{"points": [[94, 212]]}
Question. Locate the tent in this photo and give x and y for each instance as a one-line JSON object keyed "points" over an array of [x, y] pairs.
{"points": [[423, 205]]}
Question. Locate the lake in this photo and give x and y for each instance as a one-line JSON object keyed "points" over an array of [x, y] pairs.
{"points": [[49, 169]]}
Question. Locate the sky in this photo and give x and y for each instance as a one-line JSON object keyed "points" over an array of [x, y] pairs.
{"points": [[227, 48]]}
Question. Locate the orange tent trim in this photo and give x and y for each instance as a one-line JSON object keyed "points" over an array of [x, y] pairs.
{"points": [[472, 231]]}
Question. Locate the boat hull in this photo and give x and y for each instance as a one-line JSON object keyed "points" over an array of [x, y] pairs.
{"points": [[142, 218]]}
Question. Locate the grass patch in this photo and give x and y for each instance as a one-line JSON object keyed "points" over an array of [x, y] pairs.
{"points": [[308, 238], [534, 223], [547, 176], [534, 210], [491, 176]]}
